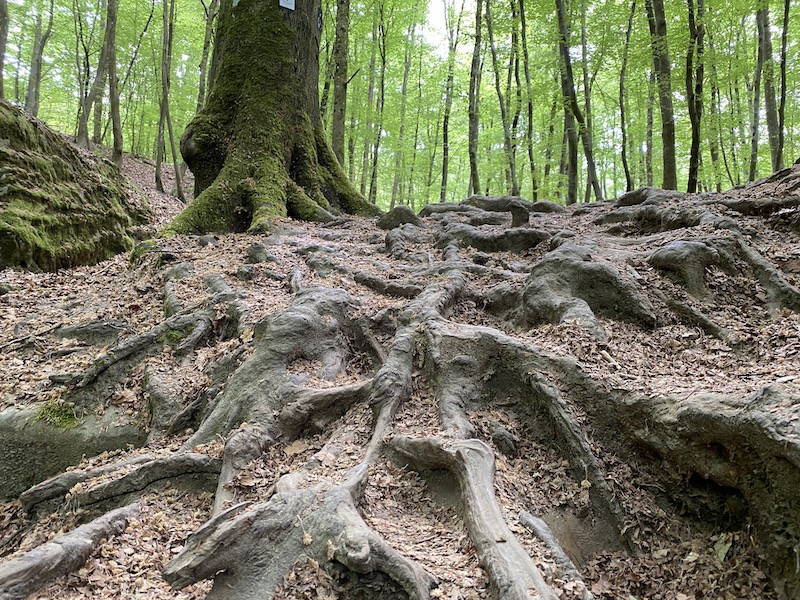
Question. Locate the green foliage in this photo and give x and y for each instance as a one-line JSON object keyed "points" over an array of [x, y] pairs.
{"points": [[413, 162]]}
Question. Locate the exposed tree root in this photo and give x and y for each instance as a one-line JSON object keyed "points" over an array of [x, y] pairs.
{"points": [[510, 568], [476, 351], [22, 576]]}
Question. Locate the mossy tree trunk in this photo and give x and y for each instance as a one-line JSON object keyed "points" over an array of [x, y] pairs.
{"points": [[257, 148]]}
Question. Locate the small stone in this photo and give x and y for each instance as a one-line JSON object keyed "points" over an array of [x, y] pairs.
{"points": [[245, 272], [257, 253], [207, 240]]}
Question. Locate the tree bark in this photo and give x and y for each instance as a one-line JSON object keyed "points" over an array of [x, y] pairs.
{"points": [[37, 56], [657, 21], [257, 148]]}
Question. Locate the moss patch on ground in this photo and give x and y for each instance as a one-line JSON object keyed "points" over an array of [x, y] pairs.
{"points": [[60, 207]]}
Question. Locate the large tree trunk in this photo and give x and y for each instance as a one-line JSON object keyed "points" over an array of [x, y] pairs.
{"points": [[257, 149]]}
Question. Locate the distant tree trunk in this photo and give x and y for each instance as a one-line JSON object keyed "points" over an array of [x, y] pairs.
{"points": [[453, 33], [569, 152], [113, 83], [715, 141], [97, 111], [648, 152], [326, 86], [340, 53], [211, 15], [782, 107], [694, 87], [529, 88], [474, 101], [3, 40], [370, 98], [571, 98], [168, 23], [509, 149], [657, 21], [629, 184], [756, 111], [381, 102], [95, 91], [768, 77], [37, 55], [399, 159], [551, 131]]}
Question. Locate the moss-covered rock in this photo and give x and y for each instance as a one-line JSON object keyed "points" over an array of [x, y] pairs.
{"points": [[59, 207]]}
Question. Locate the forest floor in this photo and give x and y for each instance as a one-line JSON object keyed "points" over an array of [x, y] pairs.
{"points": [[682, 553]]}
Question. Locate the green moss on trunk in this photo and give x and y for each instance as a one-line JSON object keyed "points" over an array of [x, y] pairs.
{"points": [[256, 149]]}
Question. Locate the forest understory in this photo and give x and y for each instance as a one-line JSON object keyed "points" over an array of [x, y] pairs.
{"points": [[494, 399]]}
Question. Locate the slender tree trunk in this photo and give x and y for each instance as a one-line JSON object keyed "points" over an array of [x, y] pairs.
{"points": [[756, 112], [370, 100], [326, 86], [571, 98], [400, 150], [37, 57], [587, 104], [694, 87], [168, 22], [211, 15], [454, 33], [648, 153], [768, 78], [551, 130], [3, 40], [474, 100], [90, 95], [383, 34], [657, 21], [529, 89], [715, 136], [629, 184], [509, 149], [782, 106], [341, 47], [113, 83]]}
